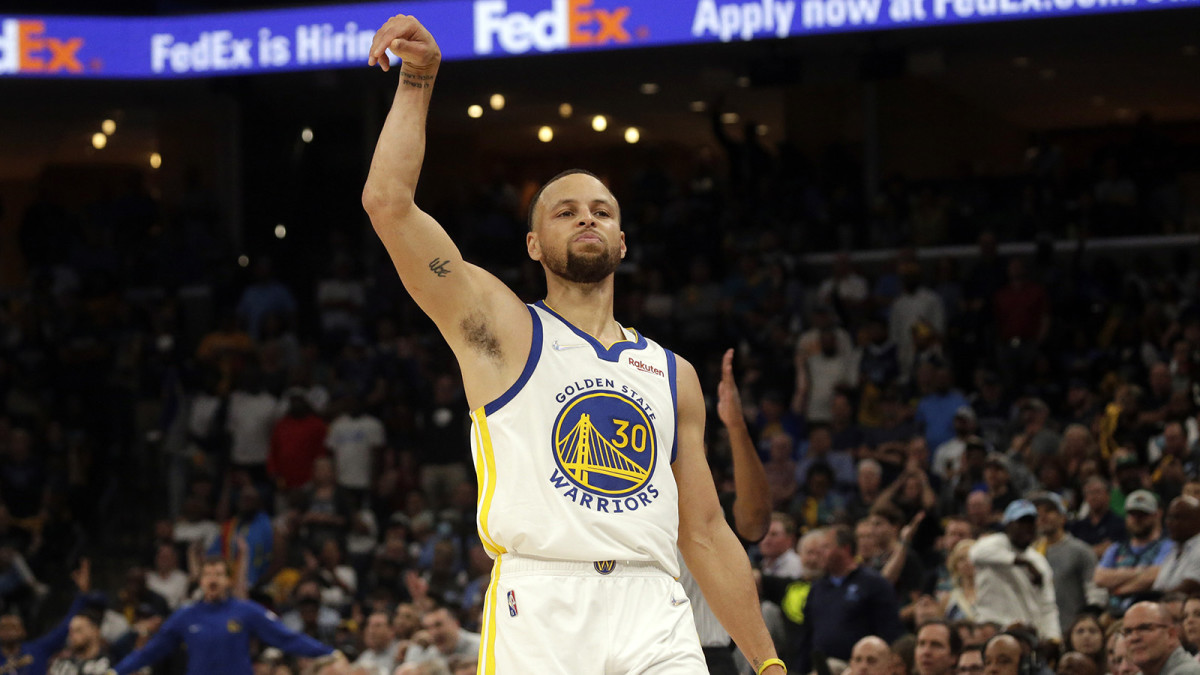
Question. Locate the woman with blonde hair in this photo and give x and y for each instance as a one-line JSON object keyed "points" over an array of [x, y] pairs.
{"points": [[960, 603]]}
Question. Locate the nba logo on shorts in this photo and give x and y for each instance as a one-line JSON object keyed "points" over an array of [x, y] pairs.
{"points": [[512, 603], [605, 566]]}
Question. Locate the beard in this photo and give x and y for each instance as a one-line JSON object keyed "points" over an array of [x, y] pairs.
{"points": [[585, 267]]}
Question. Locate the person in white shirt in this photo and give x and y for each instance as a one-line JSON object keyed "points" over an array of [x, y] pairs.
{"points": [[915, 303], [251, 419], [377, 657], [166, 578], [355, 438], [778, 548], [844, 287], [947, 457], [1014, 583]]}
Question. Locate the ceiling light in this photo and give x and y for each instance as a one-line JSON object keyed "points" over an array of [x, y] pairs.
{"points": [[742, 82], [599, 122], [697, 106], [632, 135], [306, 135], [109, 127], [762, 130], [280, 231], [155, 160], [565, 110], [545, 134], [243, 261], [730, 118], [99, 140], [496, 101], [649, 88], [475, 111]]}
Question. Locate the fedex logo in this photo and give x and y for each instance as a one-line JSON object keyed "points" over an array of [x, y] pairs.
{"points": [[568, 23], [24, 48]]}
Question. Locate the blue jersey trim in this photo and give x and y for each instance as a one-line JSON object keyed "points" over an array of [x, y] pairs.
{"points": [[611, 354], [535, 354], [674, 402]]}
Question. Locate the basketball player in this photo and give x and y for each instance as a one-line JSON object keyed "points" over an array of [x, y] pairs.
{"points": [[588, 439]]}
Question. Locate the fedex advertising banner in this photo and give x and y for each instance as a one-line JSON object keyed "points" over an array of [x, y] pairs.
{"points": [[339, 36]]}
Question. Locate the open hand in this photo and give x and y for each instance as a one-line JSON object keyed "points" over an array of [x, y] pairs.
{"points": [[729, 400]]}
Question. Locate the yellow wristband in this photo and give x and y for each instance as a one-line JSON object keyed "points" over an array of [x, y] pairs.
{"points": [[771, 662]]}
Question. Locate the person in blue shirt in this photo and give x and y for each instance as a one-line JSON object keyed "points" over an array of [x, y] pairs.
{"points": [[217, 631], [18, 657]]}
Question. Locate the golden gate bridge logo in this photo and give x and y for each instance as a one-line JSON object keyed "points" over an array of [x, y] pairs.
{"points": [[604, 443]]}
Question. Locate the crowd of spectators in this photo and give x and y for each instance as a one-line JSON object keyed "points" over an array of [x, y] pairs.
{"points": [[916, 421]]}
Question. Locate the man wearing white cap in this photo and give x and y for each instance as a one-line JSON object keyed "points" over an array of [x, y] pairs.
{"points": [[1013, 582]]}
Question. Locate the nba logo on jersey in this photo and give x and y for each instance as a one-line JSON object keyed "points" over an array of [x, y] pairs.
{"points": [[512, 603], [605, 566]]}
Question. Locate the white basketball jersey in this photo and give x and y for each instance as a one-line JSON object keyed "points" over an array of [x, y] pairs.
{"points": [[574, 460]]}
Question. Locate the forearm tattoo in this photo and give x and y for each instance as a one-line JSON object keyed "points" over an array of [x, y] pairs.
{"points": [[439, 267], [415, 80]]}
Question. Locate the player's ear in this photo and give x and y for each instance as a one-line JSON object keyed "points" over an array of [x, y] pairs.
{"points": [[534, 246], [623, 248]]}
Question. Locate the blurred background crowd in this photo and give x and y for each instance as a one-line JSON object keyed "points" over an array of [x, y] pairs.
{"points": [[932, 371]]}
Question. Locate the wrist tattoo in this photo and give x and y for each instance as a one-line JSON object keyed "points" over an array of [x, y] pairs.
{"points": [[439, 267], [416, 80]]}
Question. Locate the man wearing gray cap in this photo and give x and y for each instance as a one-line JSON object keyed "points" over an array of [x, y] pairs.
{"points": [[1073, 561], [1130, 567], [1013, 582]]}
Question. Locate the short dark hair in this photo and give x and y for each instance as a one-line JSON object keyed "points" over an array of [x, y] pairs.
{"points": [[971, 648], [890, 513], [217, 560], [956, 643], [843, 537], [538, 195]]}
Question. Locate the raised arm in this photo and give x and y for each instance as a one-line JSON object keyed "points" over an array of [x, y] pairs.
{"points": [[709, 547], [485, 324], [752, 500]]}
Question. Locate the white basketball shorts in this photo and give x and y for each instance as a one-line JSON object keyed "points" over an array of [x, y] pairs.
{"points": [[544, 617]]}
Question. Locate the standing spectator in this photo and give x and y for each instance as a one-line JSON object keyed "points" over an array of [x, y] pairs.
{"points": [[947, 457], [297, 440], [850, 602], [445, 444], [823, 366], [1073, 562], [308, 615], [915, 303], [251, 418], [356, 439], [329, 508], [1153, 642], [166, 579], [820, 450], [779, 558], [340, 301], [1130, 567], [264, 296], [1022, 312], [252, 526], [938, 410], [869, 481], [844, 288], [1100, 527], [1014, 582], [1180, 572]]}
